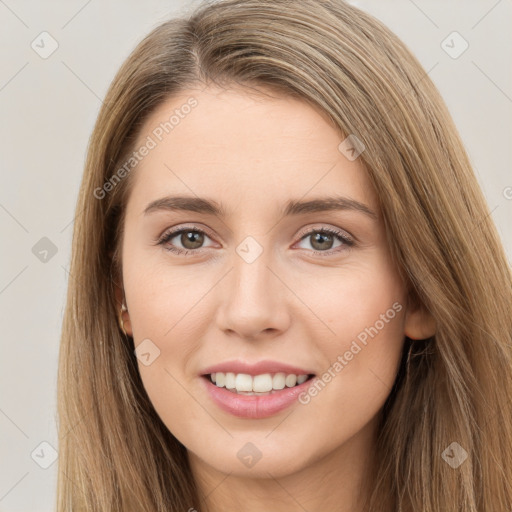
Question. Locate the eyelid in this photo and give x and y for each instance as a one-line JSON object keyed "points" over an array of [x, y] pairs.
{"points": [[175, 230], [326, 228]]}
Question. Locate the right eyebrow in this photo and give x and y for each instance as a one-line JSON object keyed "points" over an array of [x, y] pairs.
{"points": [[186, 203]]}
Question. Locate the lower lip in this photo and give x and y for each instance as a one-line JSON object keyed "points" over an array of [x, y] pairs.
{"points": [[253, 406]]}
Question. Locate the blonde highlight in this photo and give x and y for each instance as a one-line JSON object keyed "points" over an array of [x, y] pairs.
{"points": [[115, 453]]}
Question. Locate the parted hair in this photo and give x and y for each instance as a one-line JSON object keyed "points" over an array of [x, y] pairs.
{"points": [[114, 451]]}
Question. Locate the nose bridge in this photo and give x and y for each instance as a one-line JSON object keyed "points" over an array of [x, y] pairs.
{"points": [[251, 275], [251, 300]]}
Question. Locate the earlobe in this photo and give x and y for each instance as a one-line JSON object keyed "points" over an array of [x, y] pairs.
{"points": [[124, 321], [123, 316], [419, 323]]}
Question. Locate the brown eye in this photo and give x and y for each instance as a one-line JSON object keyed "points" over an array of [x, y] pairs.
{"points": [[321, 241], [185, 240], [191, 239], [324, 240]]}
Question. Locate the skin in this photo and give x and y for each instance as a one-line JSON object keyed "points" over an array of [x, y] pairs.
{"points": [[252, 154]]}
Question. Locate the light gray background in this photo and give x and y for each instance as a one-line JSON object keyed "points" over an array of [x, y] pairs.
{"points": [[48, 107]]}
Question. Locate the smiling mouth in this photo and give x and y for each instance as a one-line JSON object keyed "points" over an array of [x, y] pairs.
{"points": [[259, 385]]}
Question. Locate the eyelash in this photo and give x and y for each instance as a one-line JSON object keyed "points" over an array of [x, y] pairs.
{"points": [[347, 242]]}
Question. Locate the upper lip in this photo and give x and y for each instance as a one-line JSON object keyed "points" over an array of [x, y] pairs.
{"points": [[256, 368]]}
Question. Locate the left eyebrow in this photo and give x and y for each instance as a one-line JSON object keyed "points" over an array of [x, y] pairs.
{"points": [[294, 207], [328, 204]]}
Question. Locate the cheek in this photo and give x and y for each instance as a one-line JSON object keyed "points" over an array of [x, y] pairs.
{"points": [[356, 299], [171, 316], [162, 300], [168, 312], [364, 311]]}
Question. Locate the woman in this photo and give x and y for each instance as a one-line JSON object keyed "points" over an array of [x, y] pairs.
{"points": [[287, 291]]}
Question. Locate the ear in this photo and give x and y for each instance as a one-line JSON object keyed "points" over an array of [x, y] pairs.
{"points": [[125, 315], [419, 323]]}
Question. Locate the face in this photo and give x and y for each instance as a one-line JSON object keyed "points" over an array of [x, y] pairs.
{"points": [[251, 274]]}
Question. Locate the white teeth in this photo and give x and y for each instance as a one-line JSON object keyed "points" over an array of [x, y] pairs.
{"points": [[230, 381], [264, 383], [278, 382], [301, 379], [291, 380], [243, 382], [220, 379]]}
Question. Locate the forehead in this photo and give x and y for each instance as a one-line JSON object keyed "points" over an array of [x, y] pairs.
{"points": [[244, 148]]}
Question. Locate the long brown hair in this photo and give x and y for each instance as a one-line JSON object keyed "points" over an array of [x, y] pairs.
{"points": [[115, 452]]}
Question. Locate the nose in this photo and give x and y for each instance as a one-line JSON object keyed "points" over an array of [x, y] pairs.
{"points": [[252, 299]]}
